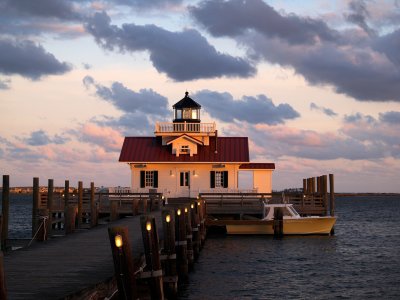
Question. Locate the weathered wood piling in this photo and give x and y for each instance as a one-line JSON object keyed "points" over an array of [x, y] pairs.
{"points": [[5, 211]]}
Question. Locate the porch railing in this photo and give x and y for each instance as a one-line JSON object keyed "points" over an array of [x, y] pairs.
{"points": [[168, 127]]}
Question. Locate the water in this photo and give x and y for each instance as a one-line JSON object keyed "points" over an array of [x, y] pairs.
{"points": [[362, 260], [20, 217]]}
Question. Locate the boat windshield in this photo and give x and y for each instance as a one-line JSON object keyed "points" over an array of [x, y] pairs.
{"points": [[294, 212]]}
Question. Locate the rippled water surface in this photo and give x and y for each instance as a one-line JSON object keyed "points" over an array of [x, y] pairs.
{"points": [[362, 260]]}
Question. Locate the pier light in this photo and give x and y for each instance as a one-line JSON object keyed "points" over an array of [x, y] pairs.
{"points": [[167, 218], [162, 197], [118, 241], [192, 206], [186, 210], [178, 212], [198, 203], [148, 226]]}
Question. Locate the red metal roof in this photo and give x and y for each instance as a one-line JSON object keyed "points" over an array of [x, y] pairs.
{"points": [[258, 166], [150, 149]]}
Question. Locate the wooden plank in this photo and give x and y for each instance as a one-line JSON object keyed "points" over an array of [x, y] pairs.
{"points": [[63, 266]]}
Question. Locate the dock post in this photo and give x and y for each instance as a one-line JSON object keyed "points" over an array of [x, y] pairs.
{"points": [[332, 199], [42, 221], [93, 208], [325, 192], [5, 210], [135, 207], [123, 263], [278, 223], [202, 215], [70, 218], [304, 186], [113, 210], [80, 203], [50, 198], [181, 244], [152, 253], [171, 276], [66, 201], [189, 236], [3, 290], [195, 229], [35, 205]]}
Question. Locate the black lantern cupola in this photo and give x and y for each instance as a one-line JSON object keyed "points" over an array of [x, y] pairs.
{"points": [[186, 110]]}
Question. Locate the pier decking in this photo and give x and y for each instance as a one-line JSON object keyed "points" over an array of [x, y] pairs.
{"points": [[67, 265]]}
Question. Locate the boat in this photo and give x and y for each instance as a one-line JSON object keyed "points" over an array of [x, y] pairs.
{"points": [[293, 223]]}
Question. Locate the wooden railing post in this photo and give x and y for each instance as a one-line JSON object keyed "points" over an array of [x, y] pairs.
{"points": [[50, 199], [325, 192], [35, 205], [189, 236], [152, 253], [80, 203], [93, 208], [332, 195], [5, 210], [181, 244], [171, 275], [304, 186], [195, 229], [278, 223], [123, 263], [3, 290], [114, 210]]}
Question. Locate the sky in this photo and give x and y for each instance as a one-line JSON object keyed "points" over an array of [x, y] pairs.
{"points": [[315, 85]]}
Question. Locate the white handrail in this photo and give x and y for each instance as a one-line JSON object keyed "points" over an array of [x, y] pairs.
{"points": [[184, 127]]}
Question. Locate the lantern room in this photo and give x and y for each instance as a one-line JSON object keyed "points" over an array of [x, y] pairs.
{"points": [[186, 110]]}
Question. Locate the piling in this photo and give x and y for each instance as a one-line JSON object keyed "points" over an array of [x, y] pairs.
{"points": [[35, 205], [80, 203], [170, 278], [278, 223], [5, 210], [70, 218], [325, 192], [93, 208], [152, 253], [181, 244], [113, 210], [123, 263], [332, 198], [3, 291], [304, 186], [50, 198], [195, 229], [189, 236]]}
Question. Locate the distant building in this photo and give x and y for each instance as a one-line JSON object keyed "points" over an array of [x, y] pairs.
{"points": [[186, 157]]}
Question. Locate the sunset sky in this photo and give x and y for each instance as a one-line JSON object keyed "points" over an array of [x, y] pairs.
{"points": [[315, 85]]}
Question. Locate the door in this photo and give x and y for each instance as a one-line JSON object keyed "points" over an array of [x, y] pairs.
{"points": [[184, 183]]}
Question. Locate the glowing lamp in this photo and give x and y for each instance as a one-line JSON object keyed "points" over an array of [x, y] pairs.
{"points": [[148, 226], [167, 218], [186, 210], [192, 206], [178, 212], [118, 241], [199, 203]]}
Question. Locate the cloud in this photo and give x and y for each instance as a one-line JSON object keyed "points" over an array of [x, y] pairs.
{"points": [[106, 138], [60, 9], [184, 55], [145, 4], [360, 66], [40, 138], [327, 111], [145, 101], [391, 117], [29, 60], [259, 109], [5, 84], [236, 17], [358, 15]]}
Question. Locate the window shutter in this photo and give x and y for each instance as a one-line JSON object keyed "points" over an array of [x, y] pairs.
{"points": [[155, 179], [142, 178], [212, 179], [225, 179], [182, 178]]}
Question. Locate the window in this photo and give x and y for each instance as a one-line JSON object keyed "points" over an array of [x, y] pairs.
{"points": [[186, 113], [148, 179], [178, 114], [184, 149], [219, 179], [194, 114], [185, 178]]}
